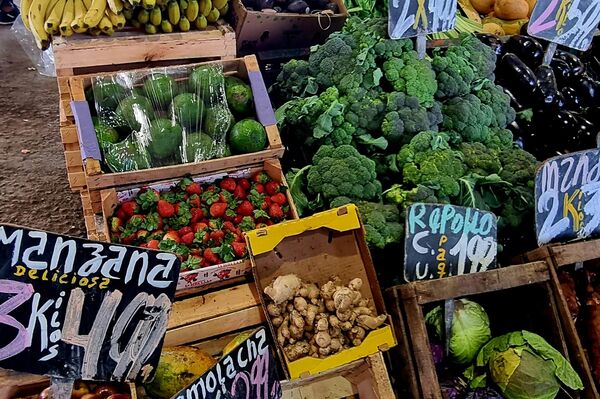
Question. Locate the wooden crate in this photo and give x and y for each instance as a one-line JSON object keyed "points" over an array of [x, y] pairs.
{"points": [[526, 287], [96, 179], [562, 256]]}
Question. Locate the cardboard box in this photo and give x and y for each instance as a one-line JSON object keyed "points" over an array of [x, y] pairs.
{"points": [[330, 243], [260, 31]]}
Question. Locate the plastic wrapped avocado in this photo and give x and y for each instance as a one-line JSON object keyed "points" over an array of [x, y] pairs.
{"points": [[165, 138], [125, 156]]}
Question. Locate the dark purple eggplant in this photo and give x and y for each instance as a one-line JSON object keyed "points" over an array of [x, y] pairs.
{"points": [[492, 41], [529, 50], [574, 63], [518, 78], [513, 101], [572, 100], [318, 4], [298, 7], [547, 93], [588, 90], [437, 352], [562, 72], [264, 4]]}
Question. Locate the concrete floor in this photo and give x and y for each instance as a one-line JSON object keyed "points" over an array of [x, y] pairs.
{"points": [[34, 191]]}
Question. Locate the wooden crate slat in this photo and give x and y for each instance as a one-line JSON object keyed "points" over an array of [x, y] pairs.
{"points": [[575, 252], [68, 135], [73, 159], [76, 180]]}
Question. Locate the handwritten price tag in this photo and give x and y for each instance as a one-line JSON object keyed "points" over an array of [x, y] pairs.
{"points": [[447, 240], [567, 196], [410, 18], [570, 23]]}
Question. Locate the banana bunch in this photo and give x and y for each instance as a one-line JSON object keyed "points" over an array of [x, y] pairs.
{"points": [[174, 15], [45, 18]]}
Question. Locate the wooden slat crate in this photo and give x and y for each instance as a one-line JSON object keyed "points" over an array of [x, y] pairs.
{"points": [[527, 287]]}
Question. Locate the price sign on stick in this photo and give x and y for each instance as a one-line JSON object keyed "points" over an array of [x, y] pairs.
{"points": [[248, 371], [567, 197], [448, 240], [570, 23], [79, 309]]}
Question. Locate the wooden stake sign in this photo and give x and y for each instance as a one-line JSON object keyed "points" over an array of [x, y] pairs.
{"points": [[79, 309], [447, 240], [248, 371], [410, 18], [567, 197]]}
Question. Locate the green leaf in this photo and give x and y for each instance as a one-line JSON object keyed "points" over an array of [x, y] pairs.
{"points": [[295, 180], [379, 142]]}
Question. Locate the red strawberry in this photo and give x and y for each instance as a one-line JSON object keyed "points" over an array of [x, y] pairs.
{"points": [[261, 177], [239, 249], [265, 205], [238, 219], [199, 226], [228, 184], [272, 187], [217, 236], [269, 223], [184, 230], [143, 245], [197, 215], [115, 225], [121, 214], [211, 257], [194, 188], [259, 188], [275, 211], [244, 183], [165, 209], [195, 251], [239, 193], [279, 198], [211, 187], [172, 235], [201, 237], [153, 244], [240, 238], [142, 234], [229, 227], [217, 210], [245, 208], [188, 238], [130, 208], [194, 201], [129, 239]]}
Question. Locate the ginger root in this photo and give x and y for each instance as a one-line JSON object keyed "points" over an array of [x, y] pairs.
{"points": [[370, 322], [283, 288], [297, 350]]}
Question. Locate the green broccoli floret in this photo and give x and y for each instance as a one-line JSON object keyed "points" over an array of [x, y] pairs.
{"points": [[388, 49], [468, 117], [405, 198], [500, 139], [481, 57], [342, 171], [294, 80], [332, 60], [493, 96], [454, 75], [405, 117], [364, 109], [480, 159], [412, 76], [518, 167]]}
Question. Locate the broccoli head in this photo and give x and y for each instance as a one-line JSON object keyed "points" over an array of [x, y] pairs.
{"points": [[468, 117], [493, 96], [405, 198], [518, 167], [342, 171], [294, 80], [412, 76], [481, 57], [365, 109], [454, 75], [500, 139], [480, 159], [405, 117], [332, 60]]}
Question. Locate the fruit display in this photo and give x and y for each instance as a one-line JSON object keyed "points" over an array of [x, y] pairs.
{"points": [[319, 321], [94, 390], [202, 222], [499, 17], [171, 116]]}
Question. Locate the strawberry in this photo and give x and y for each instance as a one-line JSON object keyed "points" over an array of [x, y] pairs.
{"points": [[272, 187], [275, 211], [194, 201], [239, 193], [239, 249], [165, 209], [121, 214], [269, 223], [279, 198], [212, 188], [239, 238], [142, 235], [192, 263], [211, 257], [215, 224], [238, 219], [194, 188], [199, 226], [197, 215], [116, 225], [217, 236], [225, 197], [228, 184], [173, 236], [244, 183], [147, 198], [143, 245], [188, 238], [245, 208], [153, 244], [261, 177], [201, 237], [130, 208], [218, 209], [230, 215], [229, 226], [184, 230], [259, 188], [129, 239], [195, 251], [247, 223]]}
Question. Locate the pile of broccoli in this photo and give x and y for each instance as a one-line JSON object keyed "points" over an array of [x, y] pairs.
{"points": [[380, 127]]}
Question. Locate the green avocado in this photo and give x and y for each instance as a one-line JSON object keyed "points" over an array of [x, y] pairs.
{"points": [[160, 89], [165, 138], [188, 110], [239, 98], [247, 136], [134, 110], [208, 82], [218, 120], [106, 94], [125, 156], [104, 132], [199, 147]]}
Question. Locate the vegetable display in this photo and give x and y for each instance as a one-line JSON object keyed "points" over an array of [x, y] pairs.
{"points": [[93, 390], [201, 223]]}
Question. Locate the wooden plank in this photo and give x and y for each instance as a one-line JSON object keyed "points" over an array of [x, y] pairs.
{"points": [[76, 180], [581, 251], [68, 135], [73, 159], [471, 284], [216, 326], [213, 304]]}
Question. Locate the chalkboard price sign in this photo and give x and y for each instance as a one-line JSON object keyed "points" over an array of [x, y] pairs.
{"points": [[410, 18], [570, 23], [447, 240], [79, 309], [249, 371], [567, 196]]}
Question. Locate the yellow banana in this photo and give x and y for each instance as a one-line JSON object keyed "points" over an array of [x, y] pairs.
{"points": [[109, 32], [67, 17], [148, 4], [94, 31], [25, 6], [77, 24], [184, 24], [117, 20], [201, 22], [95, 13], [155, 16], [143, 16], [87, 4], [150, 29], [224, 10], [53, 20], [105, 25], [205, 7], [115, 6], [191, 11], [174, 14], [166, 26], [219, 3], [37, 13], [213, 15]]}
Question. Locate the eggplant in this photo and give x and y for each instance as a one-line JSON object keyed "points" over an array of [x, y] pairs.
{"points": [[574, 63], [333, 7], [570, 131], [547, 93], [562, 72], [298, 7], [513, 101], [572, 100], [518, 78], [588, 90], [492, 41], [264, 4], [529, 50], [318, 4]]}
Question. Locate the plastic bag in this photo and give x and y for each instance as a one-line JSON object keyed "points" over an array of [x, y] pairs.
{"points": [[163, 116], [42, 60]]}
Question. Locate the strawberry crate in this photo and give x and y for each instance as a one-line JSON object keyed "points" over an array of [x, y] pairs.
{"points": [[97, 178], [191, 281]]}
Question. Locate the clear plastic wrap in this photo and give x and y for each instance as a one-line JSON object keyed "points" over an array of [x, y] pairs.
{"points": [[166, 116], [42, 60]]}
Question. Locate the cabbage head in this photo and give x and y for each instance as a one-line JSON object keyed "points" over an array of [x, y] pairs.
{"points": [[469, 332], [524, 366]]}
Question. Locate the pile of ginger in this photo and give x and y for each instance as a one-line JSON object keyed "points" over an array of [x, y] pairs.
{"points": [[319, 322]]}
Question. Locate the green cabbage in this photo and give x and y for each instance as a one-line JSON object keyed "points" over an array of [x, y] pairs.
{"points": [[524, 366], [470, 329]]}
